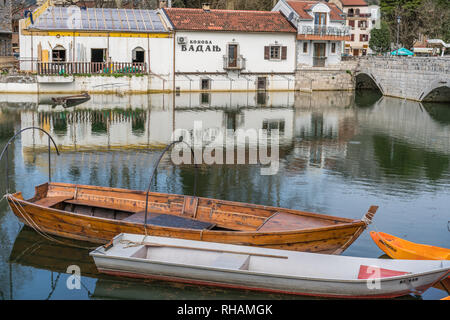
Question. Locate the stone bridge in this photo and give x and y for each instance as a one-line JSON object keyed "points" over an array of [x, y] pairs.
{"points": [[413, 78]]}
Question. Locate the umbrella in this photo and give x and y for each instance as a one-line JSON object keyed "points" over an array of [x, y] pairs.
{"points": [[402, 52]]}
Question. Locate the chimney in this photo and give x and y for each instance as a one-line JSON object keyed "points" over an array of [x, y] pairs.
{"points": [[206, 6], [162, 4]]}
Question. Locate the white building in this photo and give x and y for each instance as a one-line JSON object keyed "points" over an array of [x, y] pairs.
{"points": [[224, 50], [321, 31], [185, 49], [94, 40]]}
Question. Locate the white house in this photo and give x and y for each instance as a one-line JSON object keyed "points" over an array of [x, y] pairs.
{"points": [[185, 49], [225, 50], [321, 31], [92, 40]]}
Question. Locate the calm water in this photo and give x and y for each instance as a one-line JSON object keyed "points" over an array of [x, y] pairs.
{"points": [[339, 154]]}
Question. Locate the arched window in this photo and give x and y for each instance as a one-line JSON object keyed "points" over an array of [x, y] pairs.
{"points": [[357, 12], [138, 55], [58, 54]]}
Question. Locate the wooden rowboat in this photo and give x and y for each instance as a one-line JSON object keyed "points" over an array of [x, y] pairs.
{"points": [[97, 214], [244, 267], [398, 248]]}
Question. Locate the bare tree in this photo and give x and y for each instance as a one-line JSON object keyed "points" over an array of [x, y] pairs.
{"points": [[435, 19]]}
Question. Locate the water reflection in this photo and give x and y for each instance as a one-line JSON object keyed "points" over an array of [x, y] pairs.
{"points": [[339, 153]]}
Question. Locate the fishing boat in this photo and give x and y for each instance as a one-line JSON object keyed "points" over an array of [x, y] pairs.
{"points": [[97, 214], [263, 269]]}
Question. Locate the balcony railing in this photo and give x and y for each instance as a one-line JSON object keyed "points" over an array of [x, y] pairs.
{"points": [[233, 63], [67, 68], [325, 30], [319, 61], [359, 15]]}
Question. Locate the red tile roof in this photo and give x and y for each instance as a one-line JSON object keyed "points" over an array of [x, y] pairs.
{"points": [[228, 20], [351, 3], [301, 6]]}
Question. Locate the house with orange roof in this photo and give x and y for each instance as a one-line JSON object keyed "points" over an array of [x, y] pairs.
{"points": [[360, 18], [228, 50], [321, 31]]}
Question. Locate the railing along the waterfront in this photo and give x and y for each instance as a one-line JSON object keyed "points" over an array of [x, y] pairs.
{"points": [[68, 68], [325, 30]]}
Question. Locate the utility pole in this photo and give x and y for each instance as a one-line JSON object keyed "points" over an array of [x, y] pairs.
{"points": [[398, 30]]}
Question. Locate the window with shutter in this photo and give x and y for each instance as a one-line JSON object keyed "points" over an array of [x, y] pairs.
{"points": [[275, 52], [283, 53], [266, 53]]}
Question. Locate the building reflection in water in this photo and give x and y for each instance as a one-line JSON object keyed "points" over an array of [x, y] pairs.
{"points": [[315, 129]]}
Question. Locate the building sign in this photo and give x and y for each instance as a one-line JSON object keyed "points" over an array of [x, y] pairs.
{"points": [[200, 46]]}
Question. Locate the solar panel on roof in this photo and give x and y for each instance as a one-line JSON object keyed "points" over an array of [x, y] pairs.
{"points": [[105, 19]]}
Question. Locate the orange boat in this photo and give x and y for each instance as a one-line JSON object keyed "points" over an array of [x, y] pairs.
{"points": [[398, 248]]}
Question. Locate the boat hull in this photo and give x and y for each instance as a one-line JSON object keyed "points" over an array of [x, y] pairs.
{"points": [[330, 240], [301, 288], [398, 248], [282, 281]]}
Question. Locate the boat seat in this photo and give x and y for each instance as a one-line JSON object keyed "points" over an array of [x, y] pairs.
{"points": [[51, 201], [231, 261], [168, 220]]}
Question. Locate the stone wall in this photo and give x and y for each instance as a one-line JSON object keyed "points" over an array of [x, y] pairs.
{"points": [[329, 78], [5, 28], [408, 77]]}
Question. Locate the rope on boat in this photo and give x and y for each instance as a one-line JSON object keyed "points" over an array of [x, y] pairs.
{"points": [[36, 227]]}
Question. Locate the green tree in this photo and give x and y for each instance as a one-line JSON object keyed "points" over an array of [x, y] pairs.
{"points": [[380, 39]]}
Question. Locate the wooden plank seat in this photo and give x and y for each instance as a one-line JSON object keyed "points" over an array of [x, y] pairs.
{"points": [[51, 201], [168, 220]]}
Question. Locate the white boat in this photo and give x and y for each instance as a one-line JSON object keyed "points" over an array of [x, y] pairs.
{"points": [[255, 268]]}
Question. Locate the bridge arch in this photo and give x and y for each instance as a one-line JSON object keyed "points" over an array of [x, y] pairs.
{"points": [[436, 91], [365, 80]]}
